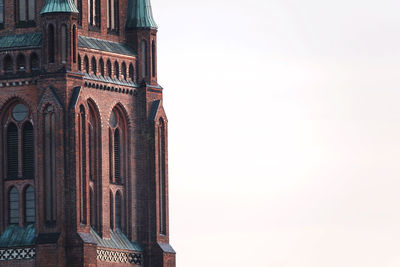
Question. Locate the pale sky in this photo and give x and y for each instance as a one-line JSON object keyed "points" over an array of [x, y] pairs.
{"points": [[284, 131]]}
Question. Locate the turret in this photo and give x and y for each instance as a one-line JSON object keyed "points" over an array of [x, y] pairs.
{"points": [[141, 32], [59, 27]]}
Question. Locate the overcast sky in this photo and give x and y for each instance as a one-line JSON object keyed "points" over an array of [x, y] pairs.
{"points": [[284, 131]]}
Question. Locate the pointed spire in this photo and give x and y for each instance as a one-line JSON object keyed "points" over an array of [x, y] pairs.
{"points": [[140, 15], [62, 6]]}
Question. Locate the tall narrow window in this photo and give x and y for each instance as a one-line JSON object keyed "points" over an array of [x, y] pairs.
{"points": [[8, 64], [101, 63], [12, 151], [50, 165], [93, 210], [27, 151], [116, 69], [22, 10], [94, 65], [109, 12], [51, 43], [74, 44], [111, 211], [109, 68], [123, 70], [1, 11], [117, 163], [31, 10], [86, 64], [29, 205], [153, 58], [116, 14], [79, 6], [97, 13], [21, 63], [90, 13], [82, 129], [13, 206], [161, 169], [79, 63], [34, 62], [64, 44], [131, 72], [118, 210], [144, 58]]}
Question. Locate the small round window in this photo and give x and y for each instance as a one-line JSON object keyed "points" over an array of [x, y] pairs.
{"points": [[19, 112], [113, 119]]}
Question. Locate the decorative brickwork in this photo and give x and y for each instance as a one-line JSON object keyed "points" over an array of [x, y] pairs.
{"points": [[17, 254], [119, 256]]}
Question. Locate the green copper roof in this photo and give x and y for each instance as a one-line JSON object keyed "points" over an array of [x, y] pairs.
{"points": [[140, 15], [15, 236], [117, 240], [104, 45], [11, 42], [62, 6]]}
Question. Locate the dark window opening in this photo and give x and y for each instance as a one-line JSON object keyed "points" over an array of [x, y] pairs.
{"points": [[51, 43], [8, 64], [153, 59], [109, 68], [79, 63], [94, 66], [83, 164], [116, 67], [27, 151], [117, 163], [118, 211], [50, 165], [34, 62], [13, 206], [111, 211], [12, 151], [131, 72], [29, 205], [123, 70], [21, 63], [74, 44], [101, 62], [161, 168], [86, 64]]}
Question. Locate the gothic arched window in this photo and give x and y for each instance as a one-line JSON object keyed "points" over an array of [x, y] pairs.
{"points": [[13, 206], [21, 63], [123, 70], [153, 58], [143, 47], [161, 176], [82, 145], [86, 62], [79, 63], [29, 205], [64, 43], [94, 65], [109, 68], [34, 62], [8, 64], [74, 43], [101, 63], [117, 145], [51, 43], [131, 72], [50, 164], [20, 142], [116, 69]]}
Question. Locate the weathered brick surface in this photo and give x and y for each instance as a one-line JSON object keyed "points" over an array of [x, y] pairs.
{"points": [[56, 84]]}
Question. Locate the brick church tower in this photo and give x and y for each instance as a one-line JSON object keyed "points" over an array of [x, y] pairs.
{"points": [[83, 140]]}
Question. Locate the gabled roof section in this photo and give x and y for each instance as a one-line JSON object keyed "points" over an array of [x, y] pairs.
{"points": [[140, 15], [106, 46], [59, 6], [12, 42], [15, 236]]}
